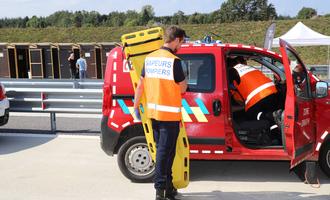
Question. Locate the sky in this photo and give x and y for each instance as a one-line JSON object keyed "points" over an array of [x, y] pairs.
{"points": [[22, 8]]}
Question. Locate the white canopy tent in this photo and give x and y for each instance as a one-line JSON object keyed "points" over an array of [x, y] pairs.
{"points": [[301, 35]]}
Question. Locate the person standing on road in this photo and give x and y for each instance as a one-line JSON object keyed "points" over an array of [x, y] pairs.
{"points": [[163, 81], [82, 66], [73, 67]]}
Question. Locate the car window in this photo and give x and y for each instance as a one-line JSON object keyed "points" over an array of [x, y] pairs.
{"points": [[200, 71], [299, 75], [266, 71]]}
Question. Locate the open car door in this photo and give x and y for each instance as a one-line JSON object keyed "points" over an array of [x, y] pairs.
{"points": [[298, 119]]}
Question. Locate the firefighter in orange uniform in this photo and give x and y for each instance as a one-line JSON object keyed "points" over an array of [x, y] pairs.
{"points": [[163, 81], [252, 89]]}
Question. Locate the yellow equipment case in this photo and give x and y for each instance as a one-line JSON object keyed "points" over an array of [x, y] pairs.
{"points": [[137, 46]]}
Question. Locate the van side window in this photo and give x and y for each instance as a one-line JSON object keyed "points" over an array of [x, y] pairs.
{"points": [[300, 76], [267, 72], [200, 71]]}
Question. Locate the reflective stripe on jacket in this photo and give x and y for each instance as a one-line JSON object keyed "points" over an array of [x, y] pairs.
{"points": [[254, 85], [162, 93]]}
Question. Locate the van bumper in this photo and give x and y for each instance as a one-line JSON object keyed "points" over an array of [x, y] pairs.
{"points": [[109, 137]]}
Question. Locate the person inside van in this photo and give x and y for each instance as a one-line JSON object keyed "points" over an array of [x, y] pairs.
{"points": [[254, 91]]}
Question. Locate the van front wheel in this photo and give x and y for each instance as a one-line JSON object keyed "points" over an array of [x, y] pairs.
{"points": [[135, 161], [324, 158]]}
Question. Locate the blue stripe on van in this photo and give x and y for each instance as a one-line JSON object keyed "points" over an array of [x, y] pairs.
{"points": [[123, 106], [202, 106], [186, 106]]}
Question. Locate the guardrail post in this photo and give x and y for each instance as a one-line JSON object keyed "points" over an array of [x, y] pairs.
{"points": [[53, 122], [75, 84]]}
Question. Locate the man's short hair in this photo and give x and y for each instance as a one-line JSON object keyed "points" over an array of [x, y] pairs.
{"points": [[232, 62], [173, 32]]}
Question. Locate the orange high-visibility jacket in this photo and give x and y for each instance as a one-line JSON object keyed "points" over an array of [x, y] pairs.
{"points": [[162, 92], [254, 85]]}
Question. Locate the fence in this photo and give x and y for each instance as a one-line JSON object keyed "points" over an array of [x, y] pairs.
{"points": [[65, 96]]}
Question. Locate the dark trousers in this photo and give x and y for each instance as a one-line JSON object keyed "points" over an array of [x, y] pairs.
{"points": [[263, 110], [73, 73], [266, 106], [165, 134]]}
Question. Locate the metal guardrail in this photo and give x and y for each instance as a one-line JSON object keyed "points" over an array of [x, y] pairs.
{"points": [[50, 83], [49, 96]]}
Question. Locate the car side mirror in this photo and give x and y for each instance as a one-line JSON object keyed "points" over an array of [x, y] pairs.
{"points": [[321, 89]]}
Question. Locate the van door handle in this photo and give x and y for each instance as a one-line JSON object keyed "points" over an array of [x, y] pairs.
{"points": [[216, 107]]}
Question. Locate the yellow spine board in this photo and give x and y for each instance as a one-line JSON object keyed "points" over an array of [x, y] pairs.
{"points": [[137, 46]]}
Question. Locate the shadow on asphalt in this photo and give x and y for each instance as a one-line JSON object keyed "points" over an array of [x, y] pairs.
{"points": [[216, 195], [248, 171], [10, 144]]}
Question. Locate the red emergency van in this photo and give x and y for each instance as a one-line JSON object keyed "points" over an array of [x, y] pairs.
{"points": [[216, 130]]}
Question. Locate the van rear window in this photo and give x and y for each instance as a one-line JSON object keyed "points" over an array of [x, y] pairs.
{"points": [[200, 70]]}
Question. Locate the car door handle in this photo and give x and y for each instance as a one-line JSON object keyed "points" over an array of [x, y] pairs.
{"points": [[216, 107]]}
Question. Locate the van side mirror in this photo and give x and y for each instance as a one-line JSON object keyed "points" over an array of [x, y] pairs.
{"points": [[321, 89]]}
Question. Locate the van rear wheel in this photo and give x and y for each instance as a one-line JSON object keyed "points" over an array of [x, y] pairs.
{"points": [[324, 158], [135, 161]]}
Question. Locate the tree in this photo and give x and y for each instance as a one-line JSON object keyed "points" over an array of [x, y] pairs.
{"points": [[131, 18], [116, 19], [91, 18], [61, 19], [246, 10], [147, 13], [78, 19], [36, 22], [306, 13], [197, 18], [179, 18]]}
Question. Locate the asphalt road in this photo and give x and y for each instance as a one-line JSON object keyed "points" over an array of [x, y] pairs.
{"points": [[69, 167]]}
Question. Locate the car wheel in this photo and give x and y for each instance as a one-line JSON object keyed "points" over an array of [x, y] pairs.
{"points": [[324, 158], [135, 161]]}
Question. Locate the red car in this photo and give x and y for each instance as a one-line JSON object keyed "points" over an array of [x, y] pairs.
{"points": [[4, 106], [215, 130]]}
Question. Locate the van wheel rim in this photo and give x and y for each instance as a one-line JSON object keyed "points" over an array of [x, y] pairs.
{"points": [[138, 160]]}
